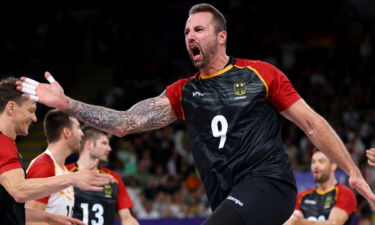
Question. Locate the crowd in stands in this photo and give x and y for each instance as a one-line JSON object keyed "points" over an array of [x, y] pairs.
{"points": [[327, 53]]}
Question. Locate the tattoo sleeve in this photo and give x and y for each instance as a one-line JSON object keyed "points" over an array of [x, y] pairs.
{"points": [[147, 115]]}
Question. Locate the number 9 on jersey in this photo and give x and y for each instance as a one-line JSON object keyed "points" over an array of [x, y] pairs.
{"points": [[224, 128]]}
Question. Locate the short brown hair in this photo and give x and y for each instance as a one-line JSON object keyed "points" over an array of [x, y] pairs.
{"points": [[8, 92], [54, 123], [318, 150], [218, 20], [92, 134]]}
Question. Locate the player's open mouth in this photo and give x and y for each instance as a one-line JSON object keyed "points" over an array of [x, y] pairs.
{"points": [[195, 51]]}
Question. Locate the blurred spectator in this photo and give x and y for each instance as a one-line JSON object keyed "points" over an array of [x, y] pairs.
{"points": [[142, 176], [148, 212], [192, 181]]}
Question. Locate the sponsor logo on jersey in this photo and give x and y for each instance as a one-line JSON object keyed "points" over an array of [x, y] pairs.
{"points": [[238, 202], [312, 202], [108, 189], [242, 97], [240, 88], [197, 93]]}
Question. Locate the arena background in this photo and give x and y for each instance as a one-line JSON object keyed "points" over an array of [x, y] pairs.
{"points": [[115, 53]]}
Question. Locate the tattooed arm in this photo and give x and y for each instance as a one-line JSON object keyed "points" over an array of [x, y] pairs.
{"points": [[147, 115]]}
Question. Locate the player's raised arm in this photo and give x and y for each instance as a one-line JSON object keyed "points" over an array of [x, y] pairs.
{"points": [[326, 139], [147, 115]]}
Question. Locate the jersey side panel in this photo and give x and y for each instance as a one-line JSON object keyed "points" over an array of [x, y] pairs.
{"points": [[41, 167]]}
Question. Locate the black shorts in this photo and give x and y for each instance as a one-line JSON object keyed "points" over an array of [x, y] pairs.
{"points": [[260, 200]]}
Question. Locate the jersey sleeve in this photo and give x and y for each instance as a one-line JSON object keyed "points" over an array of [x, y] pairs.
{"points": [[42, 167], [174, 93], [298, 204], [70, 167], [123, 198], [346, 199], [9, 159], [280, 92]]}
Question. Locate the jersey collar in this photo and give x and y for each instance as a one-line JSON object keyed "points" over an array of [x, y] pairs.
{"points": [[230, 64]]}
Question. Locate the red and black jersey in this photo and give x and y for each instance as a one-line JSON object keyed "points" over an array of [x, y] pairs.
{"points": [[232, 124], [99, 207], [317, 205], [11, 212]]}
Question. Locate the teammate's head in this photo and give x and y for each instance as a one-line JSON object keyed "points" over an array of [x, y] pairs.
{"points": [[60, 126], [16, 109], [96, 143], [205, 33], [322, 167]]}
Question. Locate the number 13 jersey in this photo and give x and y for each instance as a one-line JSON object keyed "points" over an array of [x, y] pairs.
{"points": [[231, 120]]}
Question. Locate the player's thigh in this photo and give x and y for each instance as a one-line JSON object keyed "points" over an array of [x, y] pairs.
{"points": [[224, 215], [262, 201]]}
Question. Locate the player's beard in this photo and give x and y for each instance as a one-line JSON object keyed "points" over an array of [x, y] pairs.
{"points": [[74, 144], [323, 177], [208, 53]]}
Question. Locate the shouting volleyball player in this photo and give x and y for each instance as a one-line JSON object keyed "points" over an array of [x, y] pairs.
{"points": [[230, 108]]}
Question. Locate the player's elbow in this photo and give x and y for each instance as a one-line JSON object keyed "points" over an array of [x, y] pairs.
{"points": [[313, 125], [19, 197]]}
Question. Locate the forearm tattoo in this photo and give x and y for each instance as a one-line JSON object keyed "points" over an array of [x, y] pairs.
{"points": [[147, 115]]}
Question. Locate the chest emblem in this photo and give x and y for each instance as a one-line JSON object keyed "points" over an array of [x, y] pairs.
{"points": [[240, 88], [108, 189]]}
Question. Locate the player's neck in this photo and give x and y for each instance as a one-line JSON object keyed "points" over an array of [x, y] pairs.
{"points": [[7, 127], [217, 63], [60, 151], [85, 160], [327, 184]]}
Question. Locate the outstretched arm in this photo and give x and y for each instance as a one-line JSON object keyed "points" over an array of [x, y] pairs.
{"points": [[147, 115], [326, 139]]}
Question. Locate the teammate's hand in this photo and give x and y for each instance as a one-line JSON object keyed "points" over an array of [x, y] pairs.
{"points": [[371, 157], [89, 180], [62, 220], [51, 95], [357, 182], [297, 218]]}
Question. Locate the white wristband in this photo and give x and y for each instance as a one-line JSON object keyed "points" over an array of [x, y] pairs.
{"points": [[51, 79], [32, 82], [34, 98], [28, 86], [28, 91]]}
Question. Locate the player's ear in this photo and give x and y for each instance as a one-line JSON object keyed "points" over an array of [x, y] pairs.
{"points": [[89, 144], [222, 37], [10, 108], [66, 132], [333, 166]]}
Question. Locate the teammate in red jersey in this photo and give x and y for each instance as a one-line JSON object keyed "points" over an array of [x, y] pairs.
{"points": [[63, 135], [16, 114], [230, 109], [329, 202], [114, 199]]}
